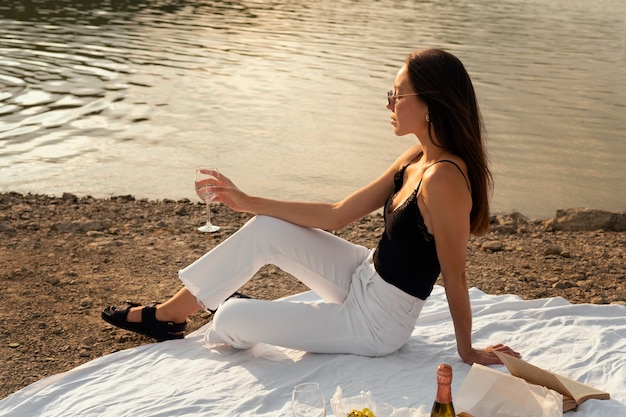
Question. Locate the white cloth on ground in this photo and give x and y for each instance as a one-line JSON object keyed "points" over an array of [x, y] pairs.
{"points": [[185, 378]]}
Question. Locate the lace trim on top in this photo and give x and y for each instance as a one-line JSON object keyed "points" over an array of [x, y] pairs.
{"points": [[398, 181]]}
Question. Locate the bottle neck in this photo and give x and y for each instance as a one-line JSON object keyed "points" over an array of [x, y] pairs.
{"points": [[444, 393], [444, 381]]}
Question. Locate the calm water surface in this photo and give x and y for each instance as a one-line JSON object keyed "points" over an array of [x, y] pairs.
{"points": [[288, 98]]}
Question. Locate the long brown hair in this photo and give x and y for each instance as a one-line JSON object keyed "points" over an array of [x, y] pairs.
{"points": [[445, 87]]}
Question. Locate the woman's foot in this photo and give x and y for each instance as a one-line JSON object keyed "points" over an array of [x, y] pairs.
{"points": [[124, 318]]}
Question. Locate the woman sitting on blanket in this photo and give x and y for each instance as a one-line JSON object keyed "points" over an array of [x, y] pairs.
{"points": [[434, 195]]}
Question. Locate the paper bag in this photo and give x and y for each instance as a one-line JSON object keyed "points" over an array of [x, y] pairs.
{"points": [[486, 392]]}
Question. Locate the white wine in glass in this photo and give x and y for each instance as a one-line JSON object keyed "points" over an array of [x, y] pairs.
{"points": [[206, 178], [308, 400]]}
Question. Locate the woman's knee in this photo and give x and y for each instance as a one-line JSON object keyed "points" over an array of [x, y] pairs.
{"points": [[230, 322], [262, 230], [226, 314], [265, 222]]}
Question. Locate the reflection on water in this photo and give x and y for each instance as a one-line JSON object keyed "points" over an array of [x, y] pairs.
{"points": [[120, 97]]}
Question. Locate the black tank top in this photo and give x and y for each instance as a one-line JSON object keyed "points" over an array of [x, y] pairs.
{"points": [[406, 256]]}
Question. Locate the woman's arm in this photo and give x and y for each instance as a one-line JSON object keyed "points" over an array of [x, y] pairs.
{"points": [[447, 203], [328, 216]]}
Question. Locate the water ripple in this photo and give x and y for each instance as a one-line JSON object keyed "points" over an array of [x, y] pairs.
{"points": [[161, 83]]}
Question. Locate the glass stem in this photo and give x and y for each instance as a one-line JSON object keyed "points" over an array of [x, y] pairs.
{"points": [[208, 213]]}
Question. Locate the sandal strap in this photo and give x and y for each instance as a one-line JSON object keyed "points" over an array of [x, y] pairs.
{"points": [[123, 310], [149, 325], [161, 330]]}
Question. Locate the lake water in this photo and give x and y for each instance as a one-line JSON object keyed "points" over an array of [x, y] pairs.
{"points": [[288, 98]]}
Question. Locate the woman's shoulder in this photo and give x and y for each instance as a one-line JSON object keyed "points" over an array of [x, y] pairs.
{"points": [[452, 159], [448, 166], [447, 175], [445, 192]]}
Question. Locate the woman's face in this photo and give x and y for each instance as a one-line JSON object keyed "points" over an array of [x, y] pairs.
{"points": [[408, 112]]}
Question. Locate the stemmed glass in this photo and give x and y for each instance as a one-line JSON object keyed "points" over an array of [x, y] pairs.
{"points": [[206, 177], [308, 400]]}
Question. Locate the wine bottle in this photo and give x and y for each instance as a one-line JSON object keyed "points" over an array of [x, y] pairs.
{"points": [[443, 401]]}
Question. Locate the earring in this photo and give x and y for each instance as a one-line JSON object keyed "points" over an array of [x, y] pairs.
{"points": [[427, 118]]}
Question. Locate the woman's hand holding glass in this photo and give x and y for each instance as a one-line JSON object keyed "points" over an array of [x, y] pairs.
{"points": [[207, 178]]}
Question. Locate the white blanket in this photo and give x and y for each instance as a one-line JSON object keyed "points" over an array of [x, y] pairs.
{"points": [[186, 378]]}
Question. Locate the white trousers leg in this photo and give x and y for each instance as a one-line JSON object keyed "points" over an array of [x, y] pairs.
{"points": [[360, 314]]}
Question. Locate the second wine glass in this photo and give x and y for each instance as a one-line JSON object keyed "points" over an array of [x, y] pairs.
{"points": [[206, 178], [308, 400]]}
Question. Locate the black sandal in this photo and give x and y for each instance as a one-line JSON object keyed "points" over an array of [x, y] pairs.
{"points": [[149, 326]]}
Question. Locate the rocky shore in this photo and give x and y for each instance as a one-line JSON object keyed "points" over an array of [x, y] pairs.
{"points": [[63, 259]]}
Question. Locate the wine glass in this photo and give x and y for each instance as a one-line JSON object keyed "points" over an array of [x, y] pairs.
{"points": [[206, 177], [308, 400]]}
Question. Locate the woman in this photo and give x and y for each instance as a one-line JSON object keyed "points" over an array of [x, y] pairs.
{"points": [[434, 195]]}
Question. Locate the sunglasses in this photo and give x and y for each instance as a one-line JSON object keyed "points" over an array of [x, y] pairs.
{"points": [[393, 98]]}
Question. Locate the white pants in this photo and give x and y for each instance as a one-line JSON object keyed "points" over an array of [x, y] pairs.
{"points": [[361, 313]]}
